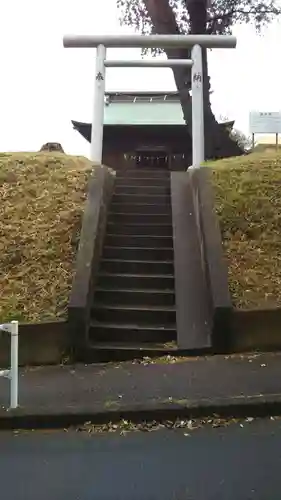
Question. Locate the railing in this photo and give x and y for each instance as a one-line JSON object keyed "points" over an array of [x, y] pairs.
{"points": [[12, 374]]}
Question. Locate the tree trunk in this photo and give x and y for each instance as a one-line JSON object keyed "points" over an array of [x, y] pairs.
{"points": [[164, 23], [218, 143]]}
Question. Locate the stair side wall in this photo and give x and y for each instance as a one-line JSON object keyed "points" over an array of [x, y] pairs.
{"points": [[93, 228], [213, 259], [194, 321]]}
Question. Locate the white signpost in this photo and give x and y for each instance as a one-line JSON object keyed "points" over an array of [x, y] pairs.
{"points": [[196, 42], [265, 122]]}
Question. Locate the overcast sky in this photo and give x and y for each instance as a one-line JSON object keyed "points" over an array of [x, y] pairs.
{"points": [[44, 86]]}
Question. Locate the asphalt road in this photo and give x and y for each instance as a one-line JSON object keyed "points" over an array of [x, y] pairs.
{"points": [[229, 463]]}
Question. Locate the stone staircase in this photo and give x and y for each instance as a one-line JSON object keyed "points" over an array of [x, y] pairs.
{"points": [[134, 301]]}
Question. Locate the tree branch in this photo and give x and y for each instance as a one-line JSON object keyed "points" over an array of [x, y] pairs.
{"points": [[250, 12]]}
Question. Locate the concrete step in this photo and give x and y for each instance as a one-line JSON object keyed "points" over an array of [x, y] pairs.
{"points": [[143, 190], [137, 198], [137, 266], [141, 281], [124, 218], [142, 181], [137, 253], [143, 172], [140, 229], [127, 240], [141, 208], [131, 333], [111, 296], [140, 315], [104, 352]]}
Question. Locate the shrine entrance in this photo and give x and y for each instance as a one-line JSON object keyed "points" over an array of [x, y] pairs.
{"points": [[195, 64], [152, 159]]}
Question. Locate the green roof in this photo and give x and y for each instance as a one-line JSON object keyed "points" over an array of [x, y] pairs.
{"points": [[141, 112], [140, 108]]}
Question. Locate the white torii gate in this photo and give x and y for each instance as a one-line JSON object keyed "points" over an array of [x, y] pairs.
{"points": [[197, 42]]}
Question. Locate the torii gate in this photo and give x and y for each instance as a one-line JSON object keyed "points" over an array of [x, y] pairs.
{"points": [[196, 42]]}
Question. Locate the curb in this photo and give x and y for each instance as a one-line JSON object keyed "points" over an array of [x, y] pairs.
{"points": [[241, 407]]}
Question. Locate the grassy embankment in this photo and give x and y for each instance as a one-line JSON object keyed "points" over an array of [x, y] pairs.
{"points": [[248, 203], [42, 199]]}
